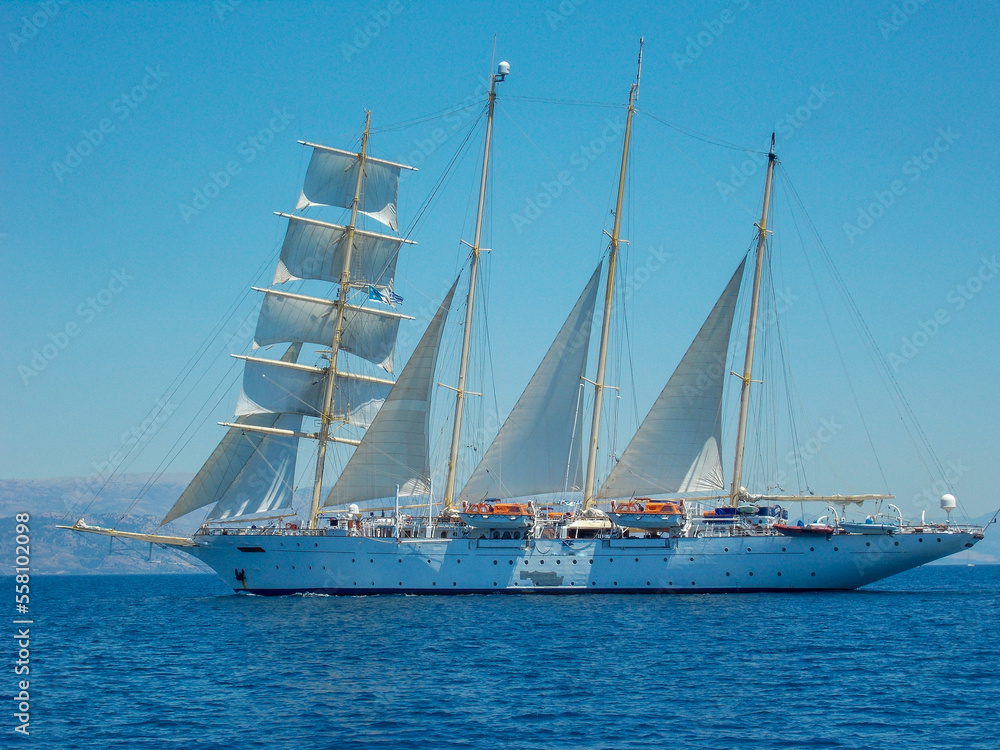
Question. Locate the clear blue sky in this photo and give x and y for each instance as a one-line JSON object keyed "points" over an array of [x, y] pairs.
{"points": [[106, 268]]}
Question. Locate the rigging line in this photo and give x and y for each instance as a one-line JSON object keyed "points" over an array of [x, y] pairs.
{"points": [[691, 133], [889, 381], [403, 124], [572, 185], [836, 346], [567, 102], [168, 460], [445, 176], [172, 389]]}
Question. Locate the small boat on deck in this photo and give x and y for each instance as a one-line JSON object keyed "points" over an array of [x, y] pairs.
{"points": [[869, 527], [493, 515], [643, 513], [809, 529]]}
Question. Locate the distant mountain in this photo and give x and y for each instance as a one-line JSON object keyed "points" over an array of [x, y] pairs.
{"points": [[63, 500]]}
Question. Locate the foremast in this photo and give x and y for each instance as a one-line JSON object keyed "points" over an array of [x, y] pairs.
{"points": [[602, 357], [326, 416], [747, 377], [449, 493]]}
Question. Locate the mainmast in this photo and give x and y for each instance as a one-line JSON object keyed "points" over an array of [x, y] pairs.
{"points": [[741, 430], [341, 303], [449, 493], [602, 359]]}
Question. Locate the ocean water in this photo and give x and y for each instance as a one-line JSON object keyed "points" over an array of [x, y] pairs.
{"points": [[182, 662]]}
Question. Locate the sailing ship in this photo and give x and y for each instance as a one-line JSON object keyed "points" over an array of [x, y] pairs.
{"points": [[498, 533]]}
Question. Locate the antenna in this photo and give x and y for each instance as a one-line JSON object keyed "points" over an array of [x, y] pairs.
{"points": [[638, 73]]}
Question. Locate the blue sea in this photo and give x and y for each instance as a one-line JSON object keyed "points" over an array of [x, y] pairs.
{"points": [[182, 662]]}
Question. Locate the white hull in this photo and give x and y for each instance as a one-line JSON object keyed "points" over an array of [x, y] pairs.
{"points": [[290, 563]]}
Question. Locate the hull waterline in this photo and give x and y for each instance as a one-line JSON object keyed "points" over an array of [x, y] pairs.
{"points": [[345, 565]]}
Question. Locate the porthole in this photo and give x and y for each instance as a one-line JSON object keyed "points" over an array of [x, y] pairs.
{"points": [[574, 562], [814, 575], [727, 574], [616, 583], [895, 544], [541, 562], [637, 559], [726, 549], [784, 549], [920, 539], [751, 574], [647, 583], [495, 562], [779, 574], [836, 549], [748, 549], [691, 559], [611, 559]]}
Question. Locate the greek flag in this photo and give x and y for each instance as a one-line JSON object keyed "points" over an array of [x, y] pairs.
{"points": [[386, 296]]}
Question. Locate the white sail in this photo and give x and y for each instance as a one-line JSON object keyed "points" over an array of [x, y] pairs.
{"points": [[677, 446], [395, 451], [231, 456], [538, 449], [266, 482], [368, 332], [315, 250], [332, 176], [275, 386]]}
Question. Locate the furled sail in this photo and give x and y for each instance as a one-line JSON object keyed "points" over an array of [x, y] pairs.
{"points": [[315, 250], [395, 451], [332, 176], [677, 446], [538, 449], [368, 332], [242, 456], [275, 386]]}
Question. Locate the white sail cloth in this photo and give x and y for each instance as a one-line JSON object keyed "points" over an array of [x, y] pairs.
{"points": [[332, 177], [395, 451], [538, 449], [677, 446], [274, 386], [248, 472], [368, 332], [315, 250]]}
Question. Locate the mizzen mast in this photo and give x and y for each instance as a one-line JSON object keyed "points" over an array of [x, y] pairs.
{"points": [[449, 493], [747, 377], [326, 416], [602, 359]]}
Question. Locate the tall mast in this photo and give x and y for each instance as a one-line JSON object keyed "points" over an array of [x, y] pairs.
{"points": [[741, 430], [602, 359], [338, 330], [449, 493]]}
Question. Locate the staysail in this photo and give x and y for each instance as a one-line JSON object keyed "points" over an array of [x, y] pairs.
{"points": [[538, 449], [395, 451], [249, 472], [677, 446]]}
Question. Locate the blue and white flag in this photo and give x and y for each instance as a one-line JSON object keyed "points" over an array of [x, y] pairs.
{"points": [[386, 296]]}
